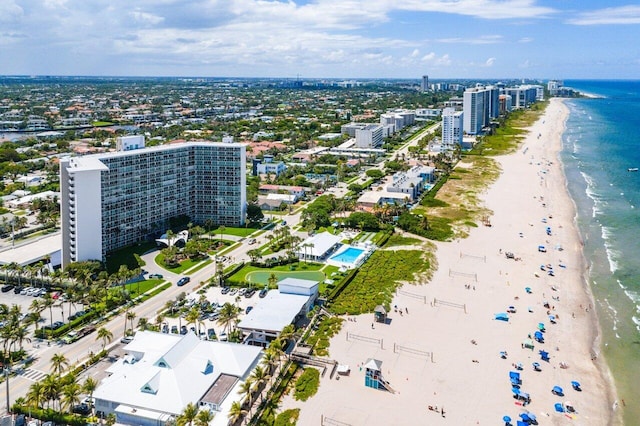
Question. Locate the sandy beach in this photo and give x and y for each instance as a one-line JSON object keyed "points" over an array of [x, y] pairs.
{"points": [[442, 348]]}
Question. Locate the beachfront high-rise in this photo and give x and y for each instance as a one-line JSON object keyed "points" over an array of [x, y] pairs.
{"points": [[480, 105], [452, 128], [110, 201], [424, 83]]}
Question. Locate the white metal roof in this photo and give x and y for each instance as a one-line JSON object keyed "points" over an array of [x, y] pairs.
{"points": [[169, 371], [319, 244], [274, 312], [27, 254]]}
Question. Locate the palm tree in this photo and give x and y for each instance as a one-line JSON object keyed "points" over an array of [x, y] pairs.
{"points": [[222, 229], [246, 391], [130, 316], [228, 315], [169, 236], [89, 386], [58, 364], [273, 280], [260, 377], [35, 395], [70, 395], [188, 415], [48, 302], [192, 318], [236, 412], [105, 335], [204, 418], [143, 323], [51, 388], [269, 361]]}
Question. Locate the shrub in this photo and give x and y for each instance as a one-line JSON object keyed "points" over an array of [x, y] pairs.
{"points": [[50, 415], [307, 384], [287, 417]]}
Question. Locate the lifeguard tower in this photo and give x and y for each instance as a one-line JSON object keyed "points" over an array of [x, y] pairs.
{"points": [[373, 376]]}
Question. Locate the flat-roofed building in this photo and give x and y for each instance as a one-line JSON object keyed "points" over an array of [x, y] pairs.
{"points": [[110, 201]]}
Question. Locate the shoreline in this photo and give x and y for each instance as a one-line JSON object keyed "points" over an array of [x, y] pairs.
{"points": [[451, 319]]}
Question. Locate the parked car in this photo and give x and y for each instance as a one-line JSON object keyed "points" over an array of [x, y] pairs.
{"points": [[249, 293], [225, 290], [233, 291], [165, 328], [182, 281], [7, 288], [249, 308], [252, 241], [174, 329], [155, 276], [82, 409], [126, 339], [18, 289], [263, 292], [183, 329], [242, 291]]}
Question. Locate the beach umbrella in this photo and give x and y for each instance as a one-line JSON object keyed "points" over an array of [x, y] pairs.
{"points": [[557, 390], [515, 391], [541, 326], [552, 318], [527, 289], [525, 417], [506, 419], [536, 366], [558, 407], [576, 385], [539, 337]]}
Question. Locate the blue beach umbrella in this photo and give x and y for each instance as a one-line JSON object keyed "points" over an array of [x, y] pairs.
{"points": [[559, 407], [506, 419], [576, 385], [515, 391], [557, 390]]}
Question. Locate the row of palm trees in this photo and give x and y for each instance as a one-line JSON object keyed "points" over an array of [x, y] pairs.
{"points": [[262, 376], [57, 390]]}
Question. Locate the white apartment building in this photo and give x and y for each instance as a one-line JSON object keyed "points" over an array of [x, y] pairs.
{"points": [[452, 124], [127, 143], [480, 105], [369, 137], [109, 201]]}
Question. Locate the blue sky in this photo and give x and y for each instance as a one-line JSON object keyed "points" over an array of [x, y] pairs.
{"points": [[564, 39]]}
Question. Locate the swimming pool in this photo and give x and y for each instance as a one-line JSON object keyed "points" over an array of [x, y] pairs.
{"points": [[348, 256]]}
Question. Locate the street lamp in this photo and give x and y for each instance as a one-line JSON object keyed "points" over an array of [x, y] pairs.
{"points": [[7, 369]]}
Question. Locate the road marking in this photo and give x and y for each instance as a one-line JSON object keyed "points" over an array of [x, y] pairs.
{"points": [[33, 375]]}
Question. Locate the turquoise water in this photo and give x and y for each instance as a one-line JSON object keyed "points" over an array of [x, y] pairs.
{"points": [[348, 256], [601, 142]]}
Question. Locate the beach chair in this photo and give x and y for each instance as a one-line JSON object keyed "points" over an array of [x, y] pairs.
{"points": [[536, 366], [514, 376], [544, 355]]}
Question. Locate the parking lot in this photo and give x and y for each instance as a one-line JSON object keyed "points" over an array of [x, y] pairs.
{"points": [[215, 297], [60, 309]]}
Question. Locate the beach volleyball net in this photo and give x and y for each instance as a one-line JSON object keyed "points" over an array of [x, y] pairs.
{"points": [[413, 295], [440, 302], [328, 421], [473, 256], [470, 275], [360, 338], [400, 349]]}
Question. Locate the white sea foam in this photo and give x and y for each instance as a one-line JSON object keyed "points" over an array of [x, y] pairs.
{"points": [[614, 315], [612, 254], [636, 320]]}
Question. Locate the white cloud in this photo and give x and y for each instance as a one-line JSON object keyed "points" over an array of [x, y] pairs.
{"points": [[146, 18], [10, 11], [623, 15], [485, 39], [489, 62], [415, 53], [486, 9], [525, 40]]}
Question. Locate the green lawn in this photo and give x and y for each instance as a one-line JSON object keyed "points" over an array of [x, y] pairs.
{"points": [[200, 266], [184, 265], [136, 289], [238, 232], [255, 274], [125, 256]]}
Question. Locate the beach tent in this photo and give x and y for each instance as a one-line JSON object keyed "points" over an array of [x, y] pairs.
{"points": [[541, 327], [514, 376], [557, 390], [544, 355], [502, 316], [559, 407], [576, 386], [538, 336], [521, 423], [542, 249]]}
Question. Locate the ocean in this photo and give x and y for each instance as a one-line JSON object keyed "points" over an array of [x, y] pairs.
{"points": [[601, 143]]}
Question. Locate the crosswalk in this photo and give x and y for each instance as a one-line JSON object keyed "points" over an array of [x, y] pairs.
{"points": [[33, 375]]}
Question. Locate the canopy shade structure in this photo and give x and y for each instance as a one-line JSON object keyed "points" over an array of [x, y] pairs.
{"points": [[544, 355], [502, 316], [576, 386], [559, 407], [541, 326], [506, 419], [557, 390], [539, 336], [514, 376]]}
